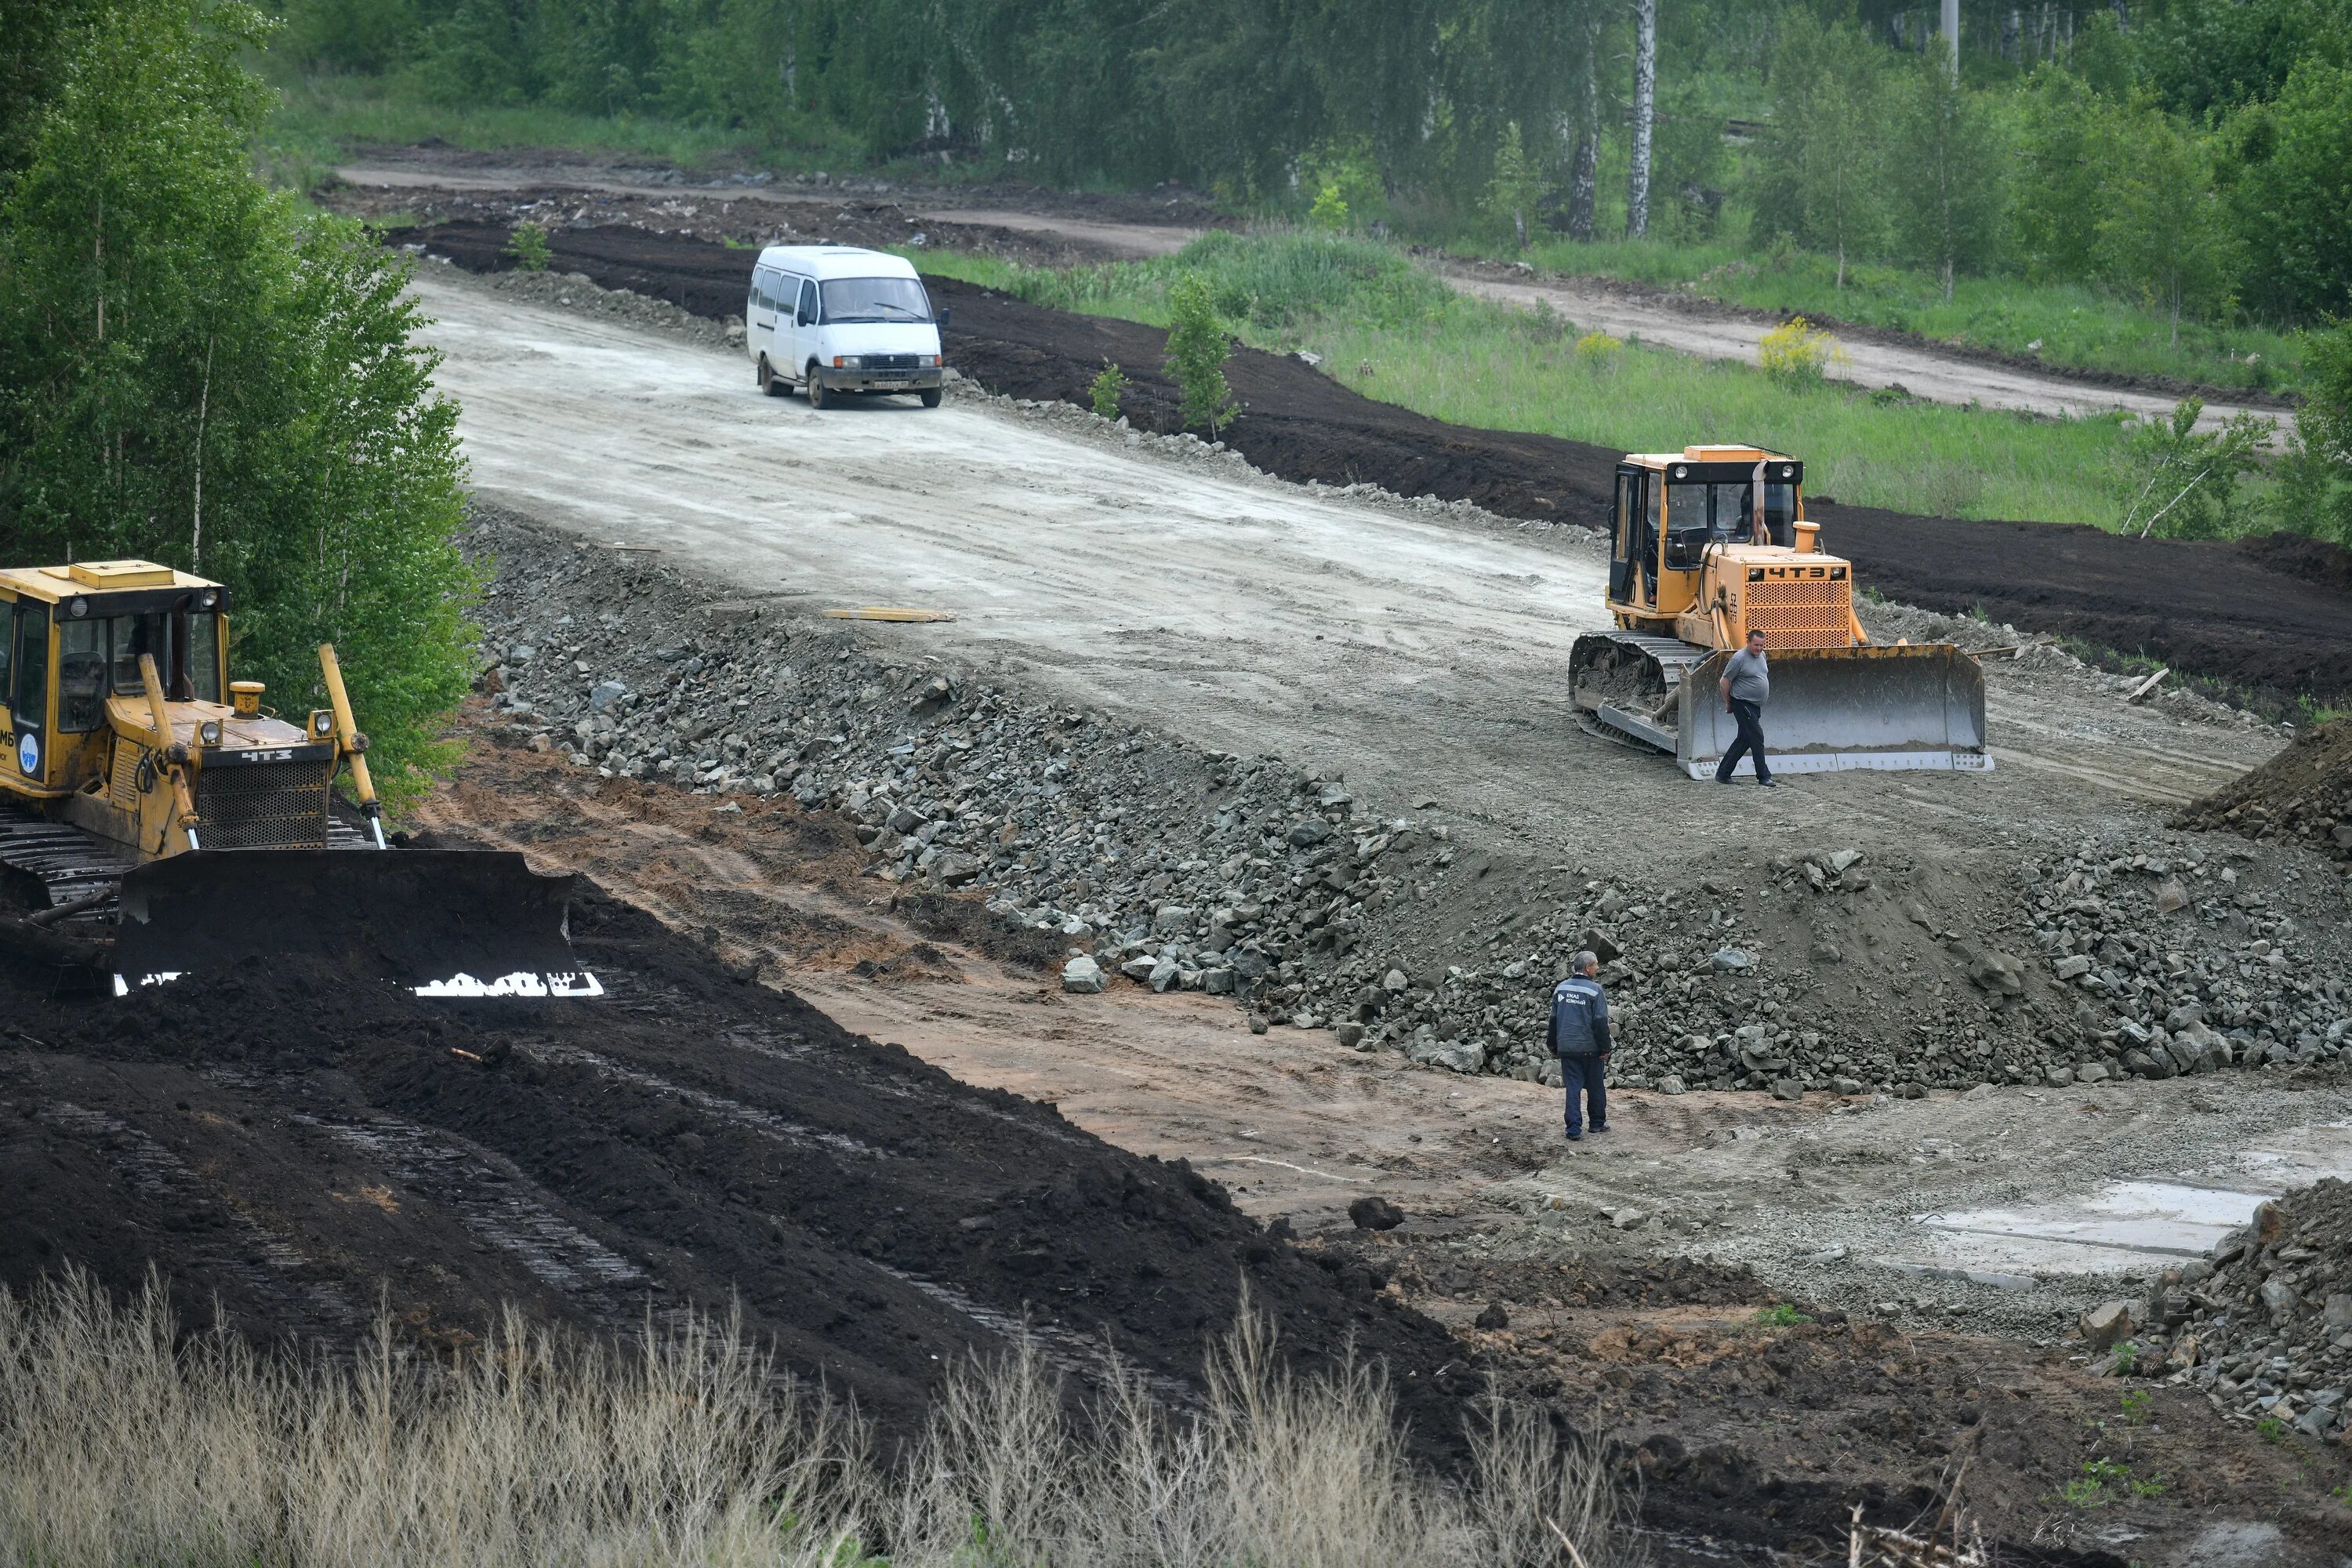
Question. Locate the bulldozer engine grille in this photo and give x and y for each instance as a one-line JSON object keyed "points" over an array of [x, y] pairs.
{"points": [[1806, 613], [263, 805], [122, 786]]}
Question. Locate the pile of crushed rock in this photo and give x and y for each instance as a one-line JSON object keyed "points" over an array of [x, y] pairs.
{"points": [[2303, 795], [2264, 1323], [1181, 868]]}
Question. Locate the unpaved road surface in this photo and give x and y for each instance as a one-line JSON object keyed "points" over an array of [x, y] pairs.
{"points": [[1248, 615], [1690, 327]]}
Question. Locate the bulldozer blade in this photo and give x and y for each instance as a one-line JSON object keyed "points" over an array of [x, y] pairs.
{"points": [[442, 922], [1884, 706]]}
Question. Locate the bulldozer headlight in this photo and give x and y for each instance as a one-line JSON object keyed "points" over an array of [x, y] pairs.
{"points": [[1682, 470], [1756, 573], [1788, 471], [1837, 574], [209, 732], [78, 607], [208, 598], [323, 722]]}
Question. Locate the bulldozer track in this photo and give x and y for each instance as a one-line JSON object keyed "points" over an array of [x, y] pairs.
{"points": [[54, 864]]}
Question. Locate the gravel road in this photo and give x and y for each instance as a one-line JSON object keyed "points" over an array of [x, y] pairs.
{"points": [[1418, 649]]}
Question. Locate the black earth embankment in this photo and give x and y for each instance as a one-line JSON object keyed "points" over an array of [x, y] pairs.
{"points": [[2269, 617], [289, 1139]]}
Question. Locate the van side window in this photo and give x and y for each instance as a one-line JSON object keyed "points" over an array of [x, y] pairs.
{"points": [[807, 310]]}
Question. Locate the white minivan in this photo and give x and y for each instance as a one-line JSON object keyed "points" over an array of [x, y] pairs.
{"points": [[834, 319]]}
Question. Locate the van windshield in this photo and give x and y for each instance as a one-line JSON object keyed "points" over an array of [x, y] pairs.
{"points": [[875, 299]]}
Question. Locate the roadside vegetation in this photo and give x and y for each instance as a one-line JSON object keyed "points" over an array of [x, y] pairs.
{"points": [[124, 1439], [2149, 190], [1389, 329], [195, 369]]}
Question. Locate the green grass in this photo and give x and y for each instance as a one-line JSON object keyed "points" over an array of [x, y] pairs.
{"points": [[318, 117], [1781, 1315], [2075, 326], [1391, 330]]}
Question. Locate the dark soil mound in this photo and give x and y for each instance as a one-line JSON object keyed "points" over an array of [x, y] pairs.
{"points": [[2304, 792], [2227, 612], [290, 1138]]}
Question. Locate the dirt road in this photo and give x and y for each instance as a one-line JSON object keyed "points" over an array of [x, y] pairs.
{"points": [[1248, 615], [1691, 327]]}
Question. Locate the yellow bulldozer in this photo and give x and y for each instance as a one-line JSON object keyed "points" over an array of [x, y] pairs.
{"points": [[155, 819], [1711, 542]]}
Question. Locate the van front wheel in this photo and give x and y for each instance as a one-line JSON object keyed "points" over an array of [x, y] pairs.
{"points": [[930, 397], [817, 395]]}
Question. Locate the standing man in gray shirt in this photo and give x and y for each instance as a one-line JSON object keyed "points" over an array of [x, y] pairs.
{"points": [[1746, 685]]}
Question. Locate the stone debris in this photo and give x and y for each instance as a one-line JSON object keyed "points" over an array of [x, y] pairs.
{"points": [[1285, 888], [2303, 795], [1375, 1214], [2263, 1322]]}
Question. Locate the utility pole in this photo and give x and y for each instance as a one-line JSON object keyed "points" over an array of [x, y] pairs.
{"points": [[1645, 106], [1951, 32]]}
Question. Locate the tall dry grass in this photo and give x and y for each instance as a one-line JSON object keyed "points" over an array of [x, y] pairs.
{"points": [[124, 1441]]}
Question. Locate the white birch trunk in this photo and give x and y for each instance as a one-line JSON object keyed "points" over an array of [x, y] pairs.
{"points": [[1645, 113]]}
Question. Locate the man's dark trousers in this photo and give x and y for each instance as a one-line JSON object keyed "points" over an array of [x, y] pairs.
{"points": [[1750, 719], [1583, 1075]]}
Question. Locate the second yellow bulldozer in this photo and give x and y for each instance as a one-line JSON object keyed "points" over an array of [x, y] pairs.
{"points": [[1711, 542], [156, 819]]}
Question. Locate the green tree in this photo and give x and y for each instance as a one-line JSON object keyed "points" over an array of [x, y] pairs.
{"points": [[1944, 167], [1197, 345], [2182, 482], [1517, 186], [2068, 145], [2288, 168], [2315, 488], [2162, 229], [1822, 168], [194, 371], [1840, 162]]}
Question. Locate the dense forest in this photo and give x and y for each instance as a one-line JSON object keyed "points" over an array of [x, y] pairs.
{"points": [[2191, 152]]}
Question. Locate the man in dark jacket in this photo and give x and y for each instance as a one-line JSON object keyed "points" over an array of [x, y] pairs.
{"points": [[1579, 1039]]}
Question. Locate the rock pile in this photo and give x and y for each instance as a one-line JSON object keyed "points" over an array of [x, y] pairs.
{"points": [[2182, 968], [1170, 867], [2265, 1322], [2303, 795]]}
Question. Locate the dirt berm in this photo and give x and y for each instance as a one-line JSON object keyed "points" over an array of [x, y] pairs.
{"points": [[2302, 794], [289, 1141], [2265, 618]]}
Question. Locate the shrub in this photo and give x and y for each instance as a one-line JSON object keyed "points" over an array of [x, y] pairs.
{"points": [[528, 246], [1197, 345], [1105, 389], [1798, 353], [1599, 351]]}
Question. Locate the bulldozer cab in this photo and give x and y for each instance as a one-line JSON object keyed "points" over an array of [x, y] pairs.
{"points": [[1671, 507]]}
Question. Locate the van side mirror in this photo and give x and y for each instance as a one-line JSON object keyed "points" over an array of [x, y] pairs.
{"points": [[943, 321]]}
